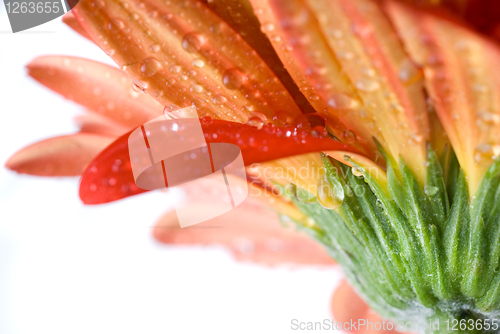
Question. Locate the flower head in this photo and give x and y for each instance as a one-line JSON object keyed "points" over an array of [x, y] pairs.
{"points": [[403, 103]]}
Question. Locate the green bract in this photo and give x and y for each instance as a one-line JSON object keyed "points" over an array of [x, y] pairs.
{"points": [[417, 254]]}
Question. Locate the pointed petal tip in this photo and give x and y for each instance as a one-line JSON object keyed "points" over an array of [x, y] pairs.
{"points": [[66, 155]]}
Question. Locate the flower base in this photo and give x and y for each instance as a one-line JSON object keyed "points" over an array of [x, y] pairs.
{"points": [[416, 253]]}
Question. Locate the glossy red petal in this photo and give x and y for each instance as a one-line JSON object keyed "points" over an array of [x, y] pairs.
{"points": [[59, 156], [109, 177]]}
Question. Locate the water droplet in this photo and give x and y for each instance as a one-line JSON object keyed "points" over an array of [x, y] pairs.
{"points": [[280, 118], [169, 109], [267, 27], [219, 99], [488, 117], [138, 87], [328, 197], [302, 123], [154, 48], [193, 42], [343, 54], [175, 69], [356, 172], [233, 78], [314, 97], [348, 137], [150, 66], [483, 154], [408, 72], [342, 101], [255, 121], [198, 63], [416, 138], [367, 85], [276, 39], [431, 190], [169, 82], [115, 25], [196, 88]]}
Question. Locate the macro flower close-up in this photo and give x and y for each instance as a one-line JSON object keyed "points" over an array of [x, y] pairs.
{"points": [[369, 132]]}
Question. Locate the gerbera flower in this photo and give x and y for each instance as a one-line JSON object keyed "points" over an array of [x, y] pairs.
{"points": [[404, 105]]}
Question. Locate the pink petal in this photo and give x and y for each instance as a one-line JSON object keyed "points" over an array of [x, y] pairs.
{"points": [[347, 306], [59, 156], [99, 87], [251, 231], [95, 123]]}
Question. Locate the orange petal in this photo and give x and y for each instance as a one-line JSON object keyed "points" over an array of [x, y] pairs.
{"points": [[181, 52], [59, 156], [240, 16], [70, 20], [95, 123], [349, 62], [251, 232], [462, 74], [348, 307], [99, 87]]}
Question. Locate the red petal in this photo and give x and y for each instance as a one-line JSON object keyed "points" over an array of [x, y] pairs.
{"points": [[59, 156], [109, 177]]}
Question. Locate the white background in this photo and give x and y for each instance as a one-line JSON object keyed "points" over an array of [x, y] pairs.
{"points": [[66, 268]]}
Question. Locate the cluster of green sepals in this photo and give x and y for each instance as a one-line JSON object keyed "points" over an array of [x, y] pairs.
{"points": [[416, 254]]}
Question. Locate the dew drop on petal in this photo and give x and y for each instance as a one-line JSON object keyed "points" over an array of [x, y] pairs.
{"points": [[115, 25], [408, 72], [196, 88], [267, 27], [483, 154], [348, 137], [367, 85], [169, 109], [356, 172], [150, 66], [233, 78], [138, 87], [327, 196], [154, 48], [175, 69], [488, 117], [342, 101], [256, 122], [219, 99], [280, 118], [198, 63], [193, 42]]}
